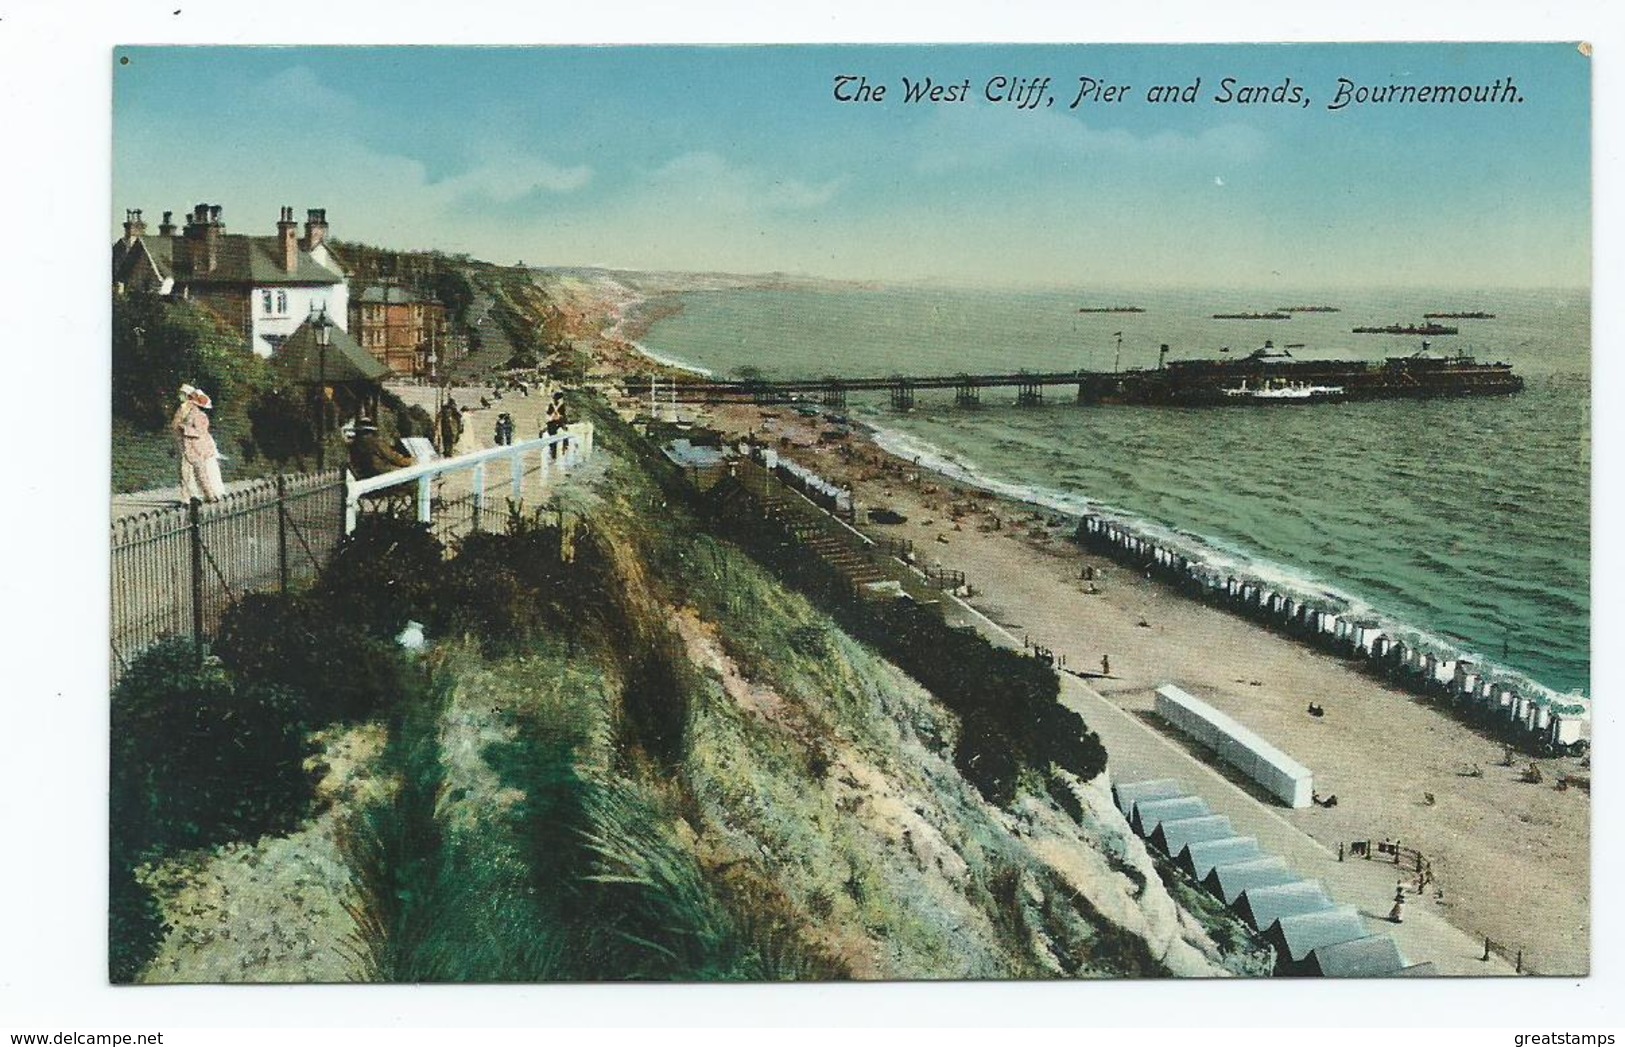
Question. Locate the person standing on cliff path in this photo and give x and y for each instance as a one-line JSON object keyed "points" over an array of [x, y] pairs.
{"points": [[200, 458]]}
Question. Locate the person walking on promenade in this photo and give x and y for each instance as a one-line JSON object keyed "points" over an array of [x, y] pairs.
{"points": [[556, 419], [1105, 666], [200, 458]]}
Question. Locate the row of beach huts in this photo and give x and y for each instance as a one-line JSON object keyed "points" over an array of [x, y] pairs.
{"points": [[1515, 708], [1312, 935]]}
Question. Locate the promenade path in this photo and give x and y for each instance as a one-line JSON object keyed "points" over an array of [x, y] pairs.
{"points": [[1137, 751]]}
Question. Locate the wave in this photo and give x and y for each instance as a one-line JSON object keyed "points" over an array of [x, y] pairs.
{"points": [[1216, 553], [668, 361]]}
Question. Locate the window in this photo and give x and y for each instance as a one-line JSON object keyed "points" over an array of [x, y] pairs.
{"points": [[282, 302], [265, 300]]}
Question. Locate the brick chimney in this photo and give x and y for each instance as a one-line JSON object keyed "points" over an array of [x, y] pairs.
{"points": [[288, 240], [167, 226], [315, 228], [134, 227], [203, 232]]}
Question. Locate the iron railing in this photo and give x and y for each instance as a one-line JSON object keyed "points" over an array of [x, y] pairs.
{"points": [[174, 571]]}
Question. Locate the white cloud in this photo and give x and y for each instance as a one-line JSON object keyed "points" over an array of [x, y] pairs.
{"points": [[708, 181]]}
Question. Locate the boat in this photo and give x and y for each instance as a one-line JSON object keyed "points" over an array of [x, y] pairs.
{"points": [[1251, 316], [1281, 391], [1112, 309], [1308, 309], [1427, 329], [1458, 316]]}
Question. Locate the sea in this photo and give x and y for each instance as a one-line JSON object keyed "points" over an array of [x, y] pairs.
{"points": [[1462, 522]]}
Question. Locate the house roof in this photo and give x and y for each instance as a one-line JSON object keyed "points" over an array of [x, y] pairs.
{"points": [[254, 261], [138, 256], [301, 360], [389, 294]]}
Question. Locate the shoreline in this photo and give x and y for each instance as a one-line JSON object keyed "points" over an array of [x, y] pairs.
{"points": [[1511, 859]]}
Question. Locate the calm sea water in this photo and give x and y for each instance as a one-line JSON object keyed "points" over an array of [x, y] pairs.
{"points": [[1467, 520]]}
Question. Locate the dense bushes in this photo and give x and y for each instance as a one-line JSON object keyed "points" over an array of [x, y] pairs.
{"points": [[198, 758], [383, 575], [336, 669], [1006, 702]]}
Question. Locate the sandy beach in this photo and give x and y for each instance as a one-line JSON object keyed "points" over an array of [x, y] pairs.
{"points": [[1511, 860]]}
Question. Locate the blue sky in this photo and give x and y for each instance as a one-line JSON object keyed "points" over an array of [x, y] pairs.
{"points": [[741, 159]]}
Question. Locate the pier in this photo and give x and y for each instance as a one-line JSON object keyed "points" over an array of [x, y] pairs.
{"points": [[1184, 383]]}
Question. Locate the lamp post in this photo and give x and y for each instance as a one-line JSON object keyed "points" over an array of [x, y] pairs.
{"points": [[324, 338]]}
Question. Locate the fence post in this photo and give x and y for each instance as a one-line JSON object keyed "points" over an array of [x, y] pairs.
{"points": [[479, 494], [195, 527], [282, 531], [425, 498], [517, 460]]}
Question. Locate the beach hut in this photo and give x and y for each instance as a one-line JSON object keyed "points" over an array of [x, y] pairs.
{"points": [[1294, 937], [1259, 907], [1148, 814], [1174, 835], [1279, 774], [1229, 881], [1374, 956], [1568, 723], [1232, 586], [1127, 795], [1199, 858]]}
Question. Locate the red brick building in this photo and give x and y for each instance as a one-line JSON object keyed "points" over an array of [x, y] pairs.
{"points": [[399, 328]]}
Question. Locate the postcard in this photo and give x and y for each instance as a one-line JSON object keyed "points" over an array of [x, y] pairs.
{"points": [[850, 512]]}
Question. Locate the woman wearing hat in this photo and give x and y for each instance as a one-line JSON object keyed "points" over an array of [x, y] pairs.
{"points": [[200, 459]]}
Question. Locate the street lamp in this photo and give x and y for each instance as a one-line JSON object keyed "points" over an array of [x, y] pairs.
{"points": [[324, 338]]}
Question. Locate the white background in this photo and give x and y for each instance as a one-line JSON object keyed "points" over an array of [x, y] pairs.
{"points": [[55, 83]]}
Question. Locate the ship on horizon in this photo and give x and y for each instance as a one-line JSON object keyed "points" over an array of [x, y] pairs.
{"points": [[1458, 316], [1111, 309], [1426, 330], [1251, 316]]}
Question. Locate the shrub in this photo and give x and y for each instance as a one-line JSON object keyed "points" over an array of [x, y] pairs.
{"points": [[338, 671], [384, 574], [197, 760]]}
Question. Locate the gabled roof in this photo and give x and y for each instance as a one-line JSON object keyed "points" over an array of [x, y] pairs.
{"points": [[300, 359], [1228, 881], [1375, 956], [1148, 814], [1295, 936], [1261, 906], [1173, 836], [143, 257], [1158, 789], [1200, 856]]}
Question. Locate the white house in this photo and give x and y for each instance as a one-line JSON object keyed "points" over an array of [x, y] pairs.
{"points": [[265, 286]]}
